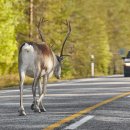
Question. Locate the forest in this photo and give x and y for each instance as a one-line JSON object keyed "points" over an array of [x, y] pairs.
{"points": [[99, 27]]}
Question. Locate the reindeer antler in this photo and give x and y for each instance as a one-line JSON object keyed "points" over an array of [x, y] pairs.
{"points": [[67, 35], [38, 27]]}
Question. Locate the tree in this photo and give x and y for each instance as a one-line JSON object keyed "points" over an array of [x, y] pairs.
{"points": [[99, 27], [10, 19]]}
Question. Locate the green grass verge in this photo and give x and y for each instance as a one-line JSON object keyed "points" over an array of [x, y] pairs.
{"points": [[12, 80]]}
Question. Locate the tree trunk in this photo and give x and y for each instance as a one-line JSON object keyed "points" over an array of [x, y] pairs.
{"points": [[31, 19]]}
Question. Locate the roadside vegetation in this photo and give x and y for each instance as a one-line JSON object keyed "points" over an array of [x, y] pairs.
{"points": [[99, 27]]}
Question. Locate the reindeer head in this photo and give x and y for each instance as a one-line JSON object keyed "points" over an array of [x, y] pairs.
{"points": [[58, 59], [57, 70]]}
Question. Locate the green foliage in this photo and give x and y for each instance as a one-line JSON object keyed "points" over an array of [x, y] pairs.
{"points": [[11, 15], [99, 27]]}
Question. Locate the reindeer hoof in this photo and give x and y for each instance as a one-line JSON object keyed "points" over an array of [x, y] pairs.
{"points": [[36, 109], [43, 109], [22, 113], [32, 106]]}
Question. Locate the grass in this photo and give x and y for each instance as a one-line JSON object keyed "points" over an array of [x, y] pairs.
{"points": [[12, 80]]}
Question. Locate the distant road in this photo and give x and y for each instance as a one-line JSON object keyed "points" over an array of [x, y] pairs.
{"points": [[85, 104]]}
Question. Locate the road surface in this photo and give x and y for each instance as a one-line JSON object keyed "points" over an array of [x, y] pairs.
{"points": [[83, 104]]}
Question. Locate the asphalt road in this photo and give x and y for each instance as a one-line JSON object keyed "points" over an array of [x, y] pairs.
{"points": [[85, 104]]}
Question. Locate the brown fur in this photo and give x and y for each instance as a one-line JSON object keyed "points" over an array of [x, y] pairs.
{"points": [[43, 52], [44, 49]]}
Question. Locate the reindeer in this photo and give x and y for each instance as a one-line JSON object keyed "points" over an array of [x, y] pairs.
{"points": [[38, 61]]}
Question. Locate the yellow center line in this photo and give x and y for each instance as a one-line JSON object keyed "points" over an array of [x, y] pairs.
{"points": [[84, 111]]}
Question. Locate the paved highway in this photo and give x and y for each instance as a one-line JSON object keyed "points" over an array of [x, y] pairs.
{"points": [[85, 104]]}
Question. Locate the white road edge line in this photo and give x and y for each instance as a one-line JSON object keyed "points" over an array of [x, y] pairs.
{"points": [[62, 95], [79, 123]]}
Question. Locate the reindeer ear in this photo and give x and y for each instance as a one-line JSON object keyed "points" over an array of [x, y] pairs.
{"points": [[61, 58]]}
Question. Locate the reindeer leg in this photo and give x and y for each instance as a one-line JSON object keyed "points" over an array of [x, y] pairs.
{"points": [[21, 109], [35, 105], [42, 94]]}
